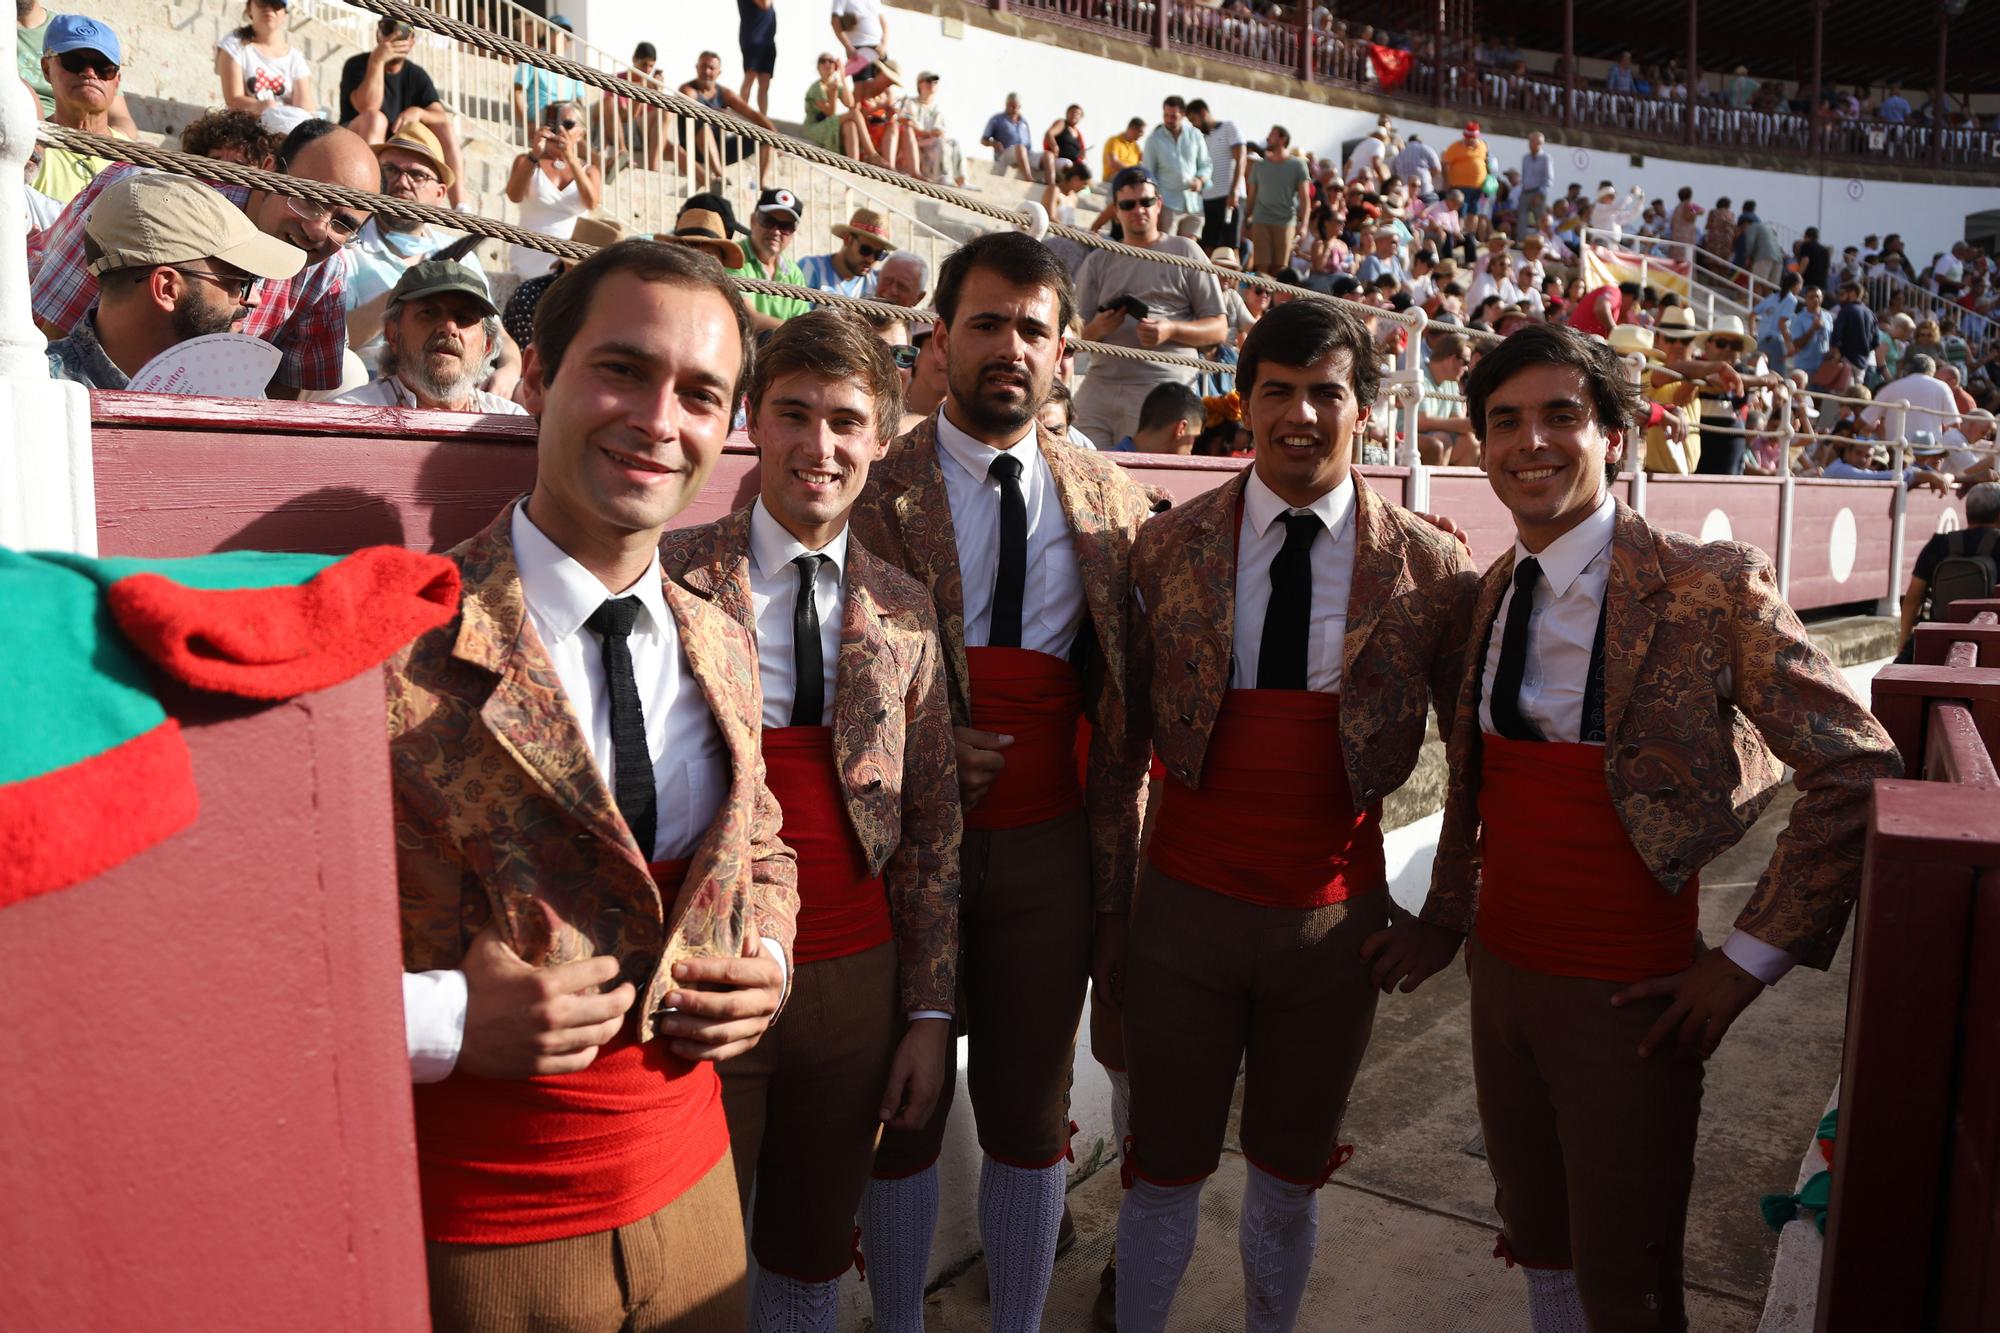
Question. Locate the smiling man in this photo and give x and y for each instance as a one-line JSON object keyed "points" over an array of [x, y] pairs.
{"points": [[1022, 540], [1292, 631], [858, 745], [596, 904], [1617, 732]]}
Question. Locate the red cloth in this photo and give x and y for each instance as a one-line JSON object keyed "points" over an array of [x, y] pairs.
{"points": [[843, 910], [275, 643], [1038, 700], [1563, 891], [1585, 318], [510, 1161], [1273, 820], [1392, 67]]}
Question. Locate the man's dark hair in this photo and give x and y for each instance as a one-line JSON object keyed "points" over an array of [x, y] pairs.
{"points": [[1612, 395], [1629, 290], [645, 51], [1198, 107], [1171, 402], [831, 346], [1345, 285], [565, 306], [1722, 202], [227, 129], [1686, 193], [1450, 345], [1749, 205], [1020, 259], [1175, 102], [1301, 333], [1059, 393], [1789, 281], [1283, 133], [303, 133], [1136, 123]]}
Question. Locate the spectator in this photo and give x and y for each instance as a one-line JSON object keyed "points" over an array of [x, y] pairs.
{"points": [[1864, 460], [81, 61], [638, 131], [773, 223], [1133, 302], [1979, 537], [1538, 175], [927, 387], [1723, 399], [259, 66], [830, 120], [1063, 141], [1895, 107], [757, 40], [1007, 134], [441, 338], [1815, 260], [1742, 90], [305, 315], [1222, 195], [1176, 156], [1169, 420], [1384, 261], [850, 270], [1809, 333], [1445, 436], [1058, 410], [1445, 226], [1420, 165], [938, 155], [704, 229], [1935, 406], [1773, 314], [1853, 340], [715, 149], [1684, 224], [31, 32], [176, 261], [1465, 167], [1612, 214], [1969, 448], [1604, 308], [903, 279], [518, 319], [553, 184], [1365, 163], [1621, 78], [229, 136], [383, 90], [1279, 202], [1123, 150], [537, 89], [1762, 253], [862, 30], [413, 169], [1719, 238]]}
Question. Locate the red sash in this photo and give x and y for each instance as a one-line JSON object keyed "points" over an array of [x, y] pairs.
{"points": [[843, 910], [1273, 821], [509, 1161], [1038, 700], [1563, 891]]}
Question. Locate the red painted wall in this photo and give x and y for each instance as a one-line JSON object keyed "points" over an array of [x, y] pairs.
{"points": [[206, 1099]]}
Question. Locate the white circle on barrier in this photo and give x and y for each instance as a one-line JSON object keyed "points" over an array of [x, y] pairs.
{"points": [[1840, 544], [1855, 189], [1715, 528], [1947, 520], [1580, 159]]}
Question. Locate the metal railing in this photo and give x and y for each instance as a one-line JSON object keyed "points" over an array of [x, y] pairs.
{"points": [[1715, 286]]}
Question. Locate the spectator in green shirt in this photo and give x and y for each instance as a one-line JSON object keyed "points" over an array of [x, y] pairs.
{"points": [[772, 226]]}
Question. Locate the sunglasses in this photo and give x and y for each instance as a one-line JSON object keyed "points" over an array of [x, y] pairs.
{"points": [[906, 356], [76, 62], [1127, 205], [771, 221], [867, 251], [566, 123]]}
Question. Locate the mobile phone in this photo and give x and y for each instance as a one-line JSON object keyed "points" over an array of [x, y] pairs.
{"points": [[395, 29]]}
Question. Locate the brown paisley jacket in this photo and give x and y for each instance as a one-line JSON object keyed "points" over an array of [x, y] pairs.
{"points": [[1709, 681], [500, 811], [905, 517], [891, 737], [1408, 612]]}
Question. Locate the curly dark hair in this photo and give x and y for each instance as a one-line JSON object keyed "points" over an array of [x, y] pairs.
{"points": [[228, 129]]}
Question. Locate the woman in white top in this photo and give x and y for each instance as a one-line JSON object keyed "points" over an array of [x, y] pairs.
{"points": [[258, 65], [553, 184]]}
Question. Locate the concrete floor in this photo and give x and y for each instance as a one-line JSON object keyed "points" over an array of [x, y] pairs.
{"points": [[1407, 1227]]}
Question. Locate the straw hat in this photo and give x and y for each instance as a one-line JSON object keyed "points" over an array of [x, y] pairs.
{"points": [[1677, 323], [416, 137], [704, 230], [1224, 256], [1725, 326], [867, 224], [1627, 339], [599, 232]]}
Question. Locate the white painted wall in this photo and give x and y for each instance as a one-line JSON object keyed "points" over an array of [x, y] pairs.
{"points": [[980, 67]]}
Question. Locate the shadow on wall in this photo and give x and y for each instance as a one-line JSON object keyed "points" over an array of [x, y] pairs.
{"points": [[330, 521]]}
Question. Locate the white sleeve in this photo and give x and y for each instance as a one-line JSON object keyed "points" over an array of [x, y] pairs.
{"points": [[1766, 962], [433, 1022]]}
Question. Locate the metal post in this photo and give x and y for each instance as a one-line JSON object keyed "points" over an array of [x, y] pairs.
{"points": [[1569, 61], [1688, 74], [1938, 90], [1892, 602], [1786, 499], [1815, 113]]}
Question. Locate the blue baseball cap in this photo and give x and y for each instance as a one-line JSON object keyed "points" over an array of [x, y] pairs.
{"points": [[74, 32], [1131, 176]]}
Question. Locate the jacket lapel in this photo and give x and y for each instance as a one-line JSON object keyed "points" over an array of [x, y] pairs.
{"points": [[1211, 552], [1100, 561], [724, 697], [722, 573], [864, 658], [930, 544], [1379, 572], [1632, 608]]}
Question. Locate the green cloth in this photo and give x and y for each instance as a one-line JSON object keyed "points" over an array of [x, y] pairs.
{"points": [[28, 56], [777, 307], [1778, 1209]]}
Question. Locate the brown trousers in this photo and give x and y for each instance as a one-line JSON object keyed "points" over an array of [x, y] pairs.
{"points": [[681, 1269], [1591, 1147], [804, 1110], [1026, 921], [1214, 984]]}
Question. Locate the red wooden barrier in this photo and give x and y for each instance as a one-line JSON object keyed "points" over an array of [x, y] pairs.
{"points": [[1914, 1229]]}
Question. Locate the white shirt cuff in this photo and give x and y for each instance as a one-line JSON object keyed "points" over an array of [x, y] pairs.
{"points": [[916, 1014], [777, 951], [1766, 962], [433, 1022]]}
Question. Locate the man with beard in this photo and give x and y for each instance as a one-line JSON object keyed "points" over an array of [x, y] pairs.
{"points": [[1022, 541], [175, 261], [437, 344], [1292, 631], [858, 745], [305, 315]]}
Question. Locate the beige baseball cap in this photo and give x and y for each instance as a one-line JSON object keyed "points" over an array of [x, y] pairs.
{"points": [[155, 217]]}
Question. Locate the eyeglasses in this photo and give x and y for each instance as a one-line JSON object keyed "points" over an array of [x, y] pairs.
{"points": [[771, 221], [1127, 205], [906, 356], [339, 223], [414, 175], [867, 251], [76, 62], [236, 286]]}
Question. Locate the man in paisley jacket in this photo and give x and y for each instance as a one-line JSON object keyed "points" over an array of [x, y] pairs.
{"points": [[1023, 542], [858, 745], [1293, 632], [596, 904], [1623, 724]]}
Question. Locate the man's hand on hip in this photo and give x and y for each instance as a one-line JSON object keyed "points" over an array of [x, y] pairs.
{"points": [[523, 1021]]}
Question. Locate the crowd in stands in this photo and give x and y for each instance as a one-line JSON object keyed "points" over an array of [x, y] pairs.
{"points": [[385, 312]]}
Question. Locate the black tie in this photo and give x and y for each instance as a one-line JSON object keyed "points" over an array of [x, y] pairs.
{"points": [[1011, 582], [808, 664], [1507, 719], [1281, 657], [632, 767]]}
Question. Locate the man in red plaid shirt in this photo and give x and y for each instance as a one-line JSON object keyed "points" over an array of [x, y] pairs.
{"points": [[305, 315]]}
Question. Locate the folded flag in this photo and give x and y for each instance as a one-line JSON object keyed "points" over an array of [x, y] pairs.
{"points": [[94, 769]]}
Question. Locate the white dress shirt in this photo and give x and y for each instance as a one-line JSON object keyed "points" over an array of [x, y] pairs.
{"points": [[774, 596], [1258, 544], [1052, 605], [691, 771], [1562, 632]]}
